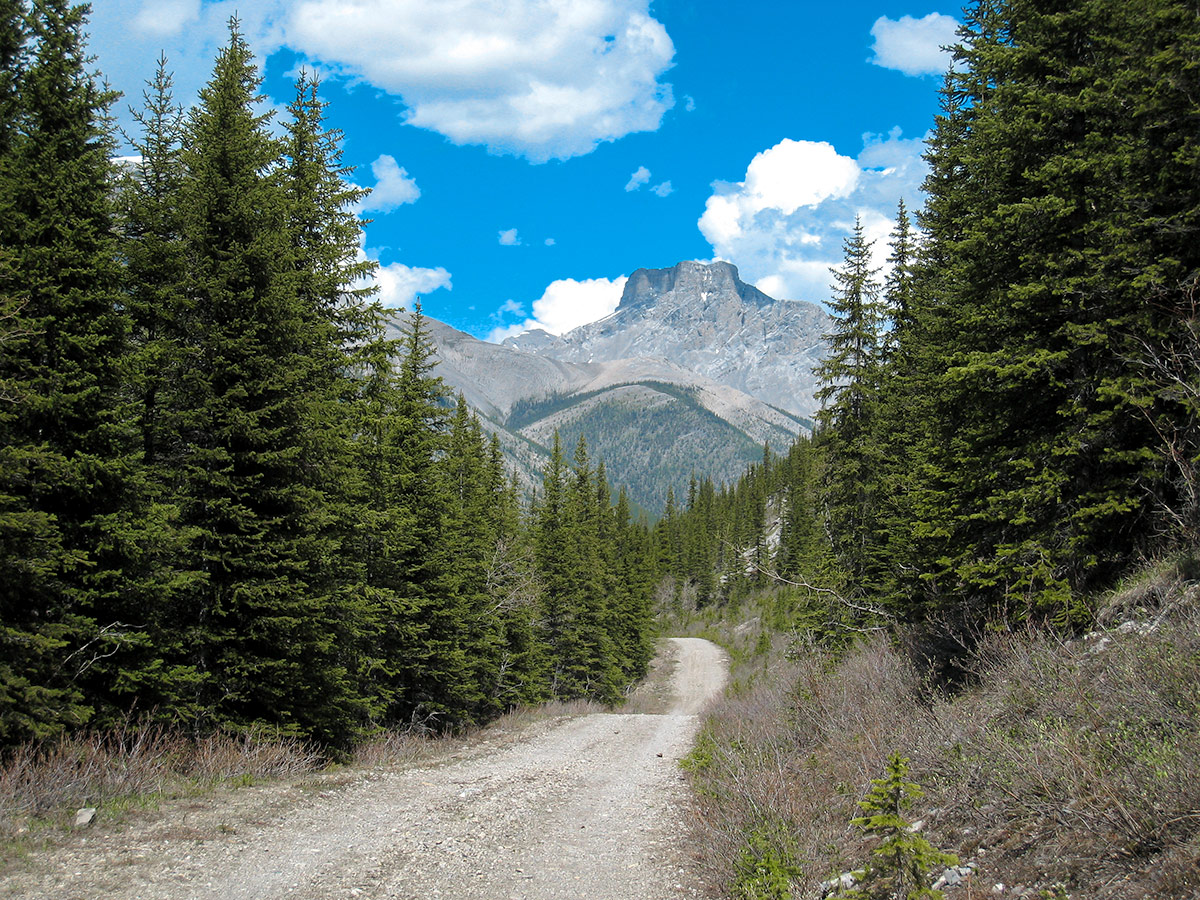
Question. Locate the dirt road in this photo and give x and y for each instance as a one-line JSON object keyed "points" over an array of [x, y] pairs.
{"points": [[583, 808]]}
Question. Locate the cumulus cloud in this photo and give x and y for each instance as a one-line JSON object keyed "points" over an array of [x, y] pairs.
{"points": [[663, 189], [400, 285], [550, 242], [566, 304], [393, 186], [165, 17], [784, 224], [509, 238], [638, 178], [914, 46], [544, 79]]}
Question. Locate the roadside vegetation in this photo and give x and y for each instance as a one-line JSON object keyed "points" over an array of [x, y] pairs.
{"points": [[1056, 766], [123, 772], [941, 603]]}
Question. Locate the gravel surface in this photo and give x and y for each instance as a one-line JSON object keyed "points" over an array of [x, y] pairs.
{"points": [[574, 808]]}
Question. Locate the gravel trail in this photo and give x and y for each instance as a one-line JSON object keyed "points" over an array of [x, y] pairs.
{"points": [[579, 808]]}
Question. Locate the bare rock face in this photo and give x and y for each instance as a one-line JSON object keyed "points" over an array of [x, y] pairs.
{"points": [[704, 318]]}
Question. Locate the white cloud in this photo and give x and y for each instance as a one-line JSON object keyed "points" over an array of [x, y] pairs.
{"points": [[400, 285], [638, 178], [784, 224], [550, 242], [663, 189], [393, 186], [509, 238], [166, 17], [567, 304], [913, 46], [544, 79]]}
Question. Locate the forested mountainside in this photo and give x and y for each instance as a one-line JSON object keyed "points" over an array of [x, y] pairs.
{"points": [[653, 420]]}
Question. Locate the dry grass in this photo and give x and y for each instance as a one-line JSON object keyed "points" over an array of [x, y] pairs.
{"points": [[1067, 762], [48, 782]]}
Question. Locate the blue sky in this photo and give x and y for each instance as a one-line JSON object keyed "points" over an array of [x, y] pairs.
{"points": [[527, 155]]}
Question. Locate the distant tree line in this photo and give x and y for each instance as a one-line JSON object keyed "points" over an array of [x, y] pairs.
{"points": [[227, 499], [1012, 416]]}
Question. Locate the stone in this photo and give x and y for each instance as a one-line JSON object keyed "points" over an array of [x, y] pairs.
{"points": [[85, 817]]}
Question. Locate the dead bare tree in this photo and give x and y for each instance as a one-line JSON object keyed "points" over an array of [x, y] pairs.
{"points": [[1173, 411]]}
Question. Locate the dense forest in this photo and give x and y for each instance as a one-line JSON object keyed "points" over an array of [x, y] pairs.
{"points": [[1011, 416], [227, 500]]}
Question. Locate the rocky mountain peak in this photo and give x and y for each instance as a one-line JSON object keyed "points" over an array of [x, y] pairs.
{"points": [[716, 281], [703, 317]]}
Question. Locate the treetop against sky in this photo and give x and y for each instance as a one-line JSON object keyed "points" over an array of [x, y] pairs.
{"points": [[526, 155]]}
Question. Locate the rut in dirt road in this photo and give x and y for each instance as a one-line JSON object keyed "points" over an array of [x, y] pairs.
{"points": [[584, 808]]}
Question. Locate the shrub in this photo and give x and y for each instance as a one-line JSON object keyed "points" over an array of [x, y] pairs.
{"points": [[767, 865]]}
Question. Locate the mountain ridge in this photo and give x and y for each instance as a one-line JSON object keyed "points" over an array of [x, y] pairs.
{"points": [[703, 317], [693, 372]]}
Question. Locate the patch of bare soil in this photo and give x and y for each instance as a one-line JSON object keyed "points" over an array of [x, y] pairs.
{"points": [[570, 808]]}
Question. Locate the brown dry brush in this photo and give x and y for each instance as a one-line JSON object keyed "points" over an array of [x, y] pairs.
{"points": [[50, 780], [1065, 762]]}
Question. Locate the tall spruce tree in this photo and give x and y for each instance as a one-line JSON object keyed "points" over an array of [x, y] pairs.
{"points": [[257, 623], [469, 541], [1052, 247], [556, 565], [381, 548], [62, 454], [849, 392], [596, 667], [151, 671], [340, 321]]}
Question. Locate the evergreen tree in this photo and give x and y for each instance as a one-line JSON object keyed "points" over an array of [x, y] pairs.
{"points": [[436, 679], [904, 857], [258, 624], [556, 565], [898, 287], [468, 544], [631, 561], [849, 386], [383, 547], [588, 667], [1048, 236], [151, 671], [340, 320], [62, 453], [515, 593]]}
